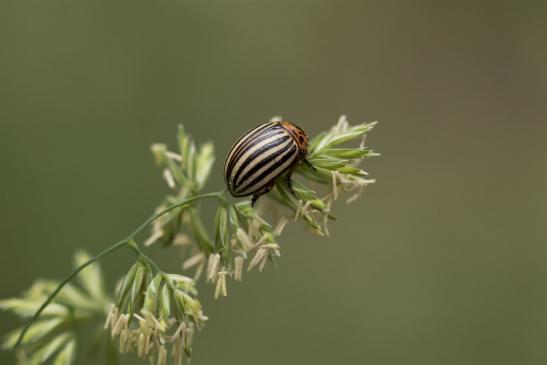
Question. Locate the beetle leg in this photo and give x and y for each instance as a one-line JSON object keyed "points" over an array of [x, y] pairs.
{"points": [[266, 190], [305, 160], [289, 184]]}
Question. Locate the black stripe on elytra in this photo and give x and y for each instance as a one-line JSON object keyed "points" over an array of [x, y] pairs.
{"points": [[247, 145], [248, 134], [252, 139], [270, 170], [260, 162], [257, 155], [251, 134]]}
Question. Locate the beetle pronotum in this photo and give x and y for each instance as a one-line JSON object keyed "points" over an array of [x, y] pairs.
{"points": [[263, 154]]}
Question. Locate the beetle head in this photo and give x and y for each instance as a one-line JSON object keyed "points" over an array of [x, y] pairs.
{"points": [[299, 136]]}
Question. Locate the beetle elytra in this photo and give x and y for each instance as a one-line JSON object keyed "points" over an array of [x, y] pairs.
{"points": [[263, 154]]}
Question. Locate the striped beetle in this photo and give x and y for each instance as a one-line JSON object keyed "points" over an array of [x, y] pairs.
{"points": [[261, 155]]}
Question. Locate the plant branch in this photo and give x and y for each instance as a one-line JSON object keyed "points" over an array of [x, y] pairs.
{"points": [[135, 247], [129, 240]]}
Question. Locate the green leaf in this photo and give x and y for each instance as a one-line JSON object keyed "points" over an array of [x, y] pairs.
{"points": [[179, 175], [285, 194], [183, 146], [137, 289], [37, 331], [318, 204], [313, 175], [50, 348], [67, 354], [165, 306], [352, 170], [323, 174], [352, 133], [318, 141], [75, 298], [199, 232], [152, 292], [204, 162], [191, 167], [349, 153], [221, 228], [327, 163], [303, 191], [236, 217], [126, 285], [291, 202], [184, 283], [26, 307], [188, 305]]}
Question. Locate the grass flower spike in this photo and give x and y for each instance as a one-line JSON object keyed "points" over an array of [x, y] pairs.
{"points": [[154, 313], [52, 338]]}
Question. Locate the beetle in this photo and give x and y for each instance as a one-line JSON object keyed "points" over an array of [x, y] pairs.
{"points": [[263, 154]]}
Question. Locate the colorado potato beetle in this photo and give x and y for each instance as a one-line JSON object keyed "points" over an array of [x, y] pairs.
{"points": [[263, 154]]}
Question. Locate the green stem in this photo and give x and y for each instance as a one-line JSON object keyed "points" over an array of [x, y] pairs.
{"points": [[217, 195], [126, 241], [135, 247]]}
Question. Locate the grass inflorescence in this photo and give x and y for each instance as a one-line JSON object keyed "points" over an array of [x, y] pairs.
{"points": [[155, 313]]}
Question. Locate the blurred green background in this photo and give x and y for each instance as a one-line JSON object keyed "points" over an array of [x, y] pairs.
{"points": [[444, 260]]}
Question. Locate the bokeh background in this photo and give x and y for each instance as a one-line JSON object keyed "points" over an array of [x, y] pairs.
{"points": [[444, 260]]}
